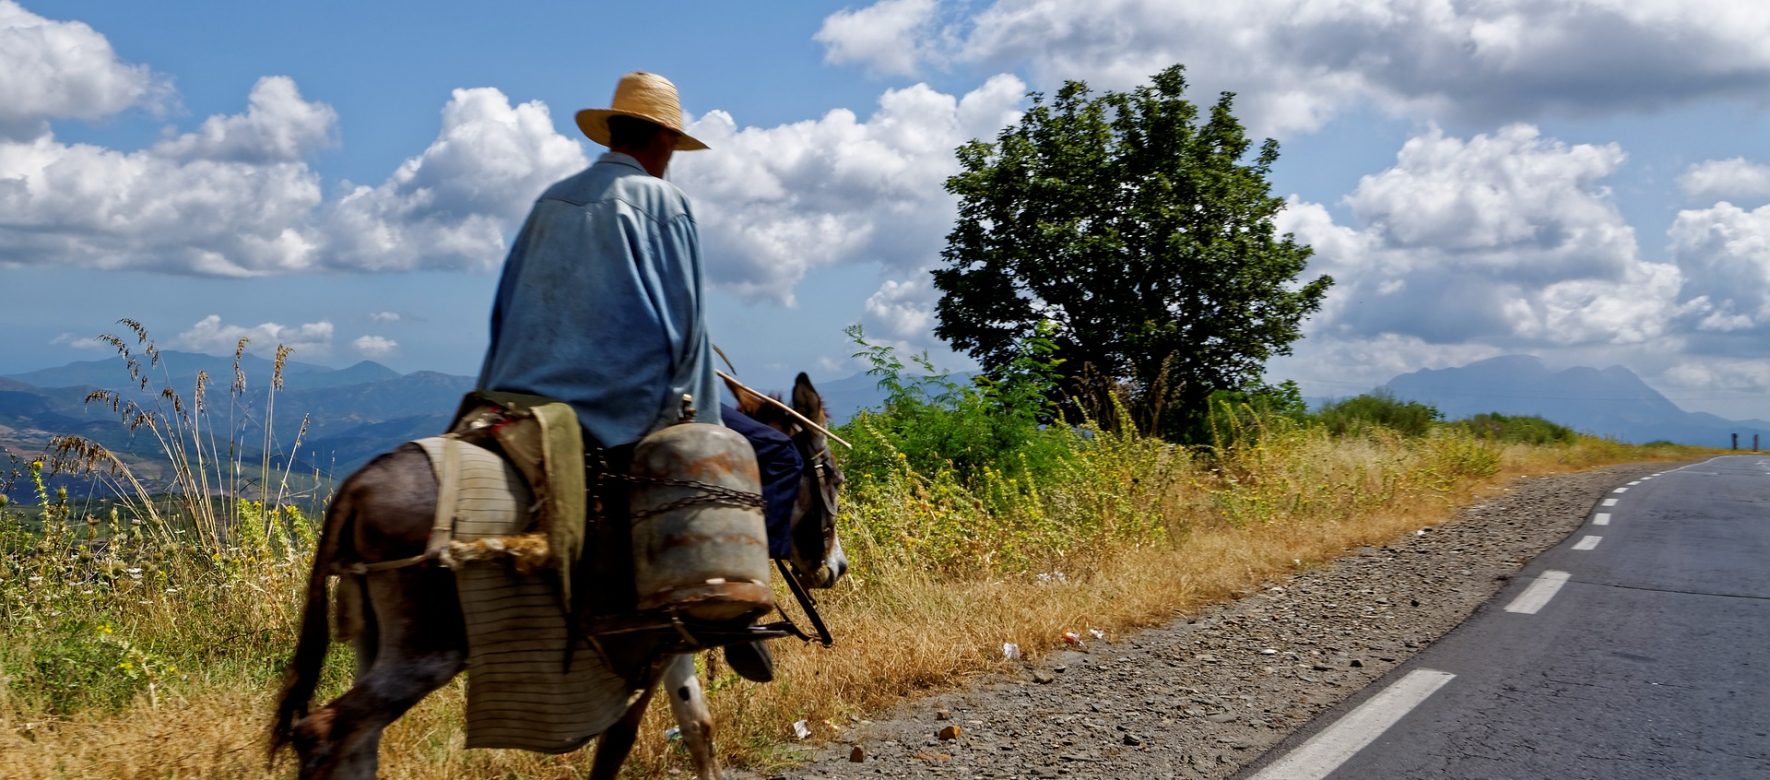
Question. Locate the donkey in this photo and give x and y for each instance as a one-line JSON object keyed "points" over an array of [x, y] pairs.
{"points": [[414, 638]]}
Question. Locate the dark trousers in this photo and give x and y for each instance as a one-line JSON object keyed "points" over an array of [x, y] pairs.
{"points": [[781, 466]]}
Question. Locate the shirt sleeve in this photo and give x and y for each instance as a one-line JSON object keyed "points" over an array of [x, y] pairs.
{"points": [[690, 347], [501, 299]]}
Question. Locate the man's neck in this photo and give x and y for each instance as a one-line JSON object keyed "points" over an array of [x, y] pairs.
{"points": [[653, 160]]}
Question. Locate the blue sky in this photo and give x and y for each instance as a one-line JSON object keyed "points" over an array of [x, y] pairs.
{"points": [[1582, 181]]}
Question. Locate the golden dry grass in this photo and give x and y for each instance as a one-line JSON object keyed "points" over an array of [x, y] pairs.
{"points": [[904, 624]]}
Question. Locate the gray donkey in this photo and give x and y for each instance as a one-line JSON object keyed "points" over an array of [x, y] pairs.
{"points": [[414, 638]]}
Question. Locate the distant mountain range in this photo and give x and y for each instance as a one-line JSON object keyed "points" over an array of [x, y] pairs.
{"points": [[1610, 402], [352, 414]]}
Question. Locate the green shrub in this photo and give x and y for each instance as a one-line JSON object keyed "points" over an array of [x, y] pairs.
{"points": [[1519, 429], [1360, 413], [1003, 425], [1243, 417]]}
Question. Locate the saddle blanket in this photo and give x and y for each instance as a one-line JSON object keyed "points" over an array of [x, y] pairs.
{"points": [[525, 688]]}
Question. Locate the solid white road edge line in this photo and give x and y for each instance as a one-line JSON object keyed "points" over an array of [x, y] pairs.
{"points": [[1694, 465], [1538, 594], [1321, 754], [1588, 543], [1602, 518]]}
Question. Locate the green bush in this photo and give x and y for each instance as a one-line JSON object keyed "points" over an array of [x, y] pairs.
{"points": [[74, 667], [1360, 413], [1519, 429], [1244, 417], [934, 423]]}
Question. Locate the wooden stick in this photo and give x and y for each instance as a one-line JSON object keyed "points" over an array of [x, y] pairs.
{"points": [[736, 385], [734, 369]]}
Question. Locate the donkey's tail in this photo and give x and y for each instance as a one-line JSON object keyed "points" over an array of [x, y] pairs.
{"points": [[303, 673]]}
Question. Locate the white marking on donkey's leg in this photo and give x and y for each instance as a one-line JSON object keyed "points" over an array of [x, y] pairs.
{"points": [[689, 705]]}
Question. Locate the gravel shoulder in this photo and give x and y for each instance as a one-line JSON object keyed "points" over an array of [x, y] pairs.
{"points": [[1206, 695]]}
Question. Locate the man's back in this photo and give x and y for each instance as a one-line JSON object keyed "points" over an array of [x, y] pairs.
{"points": [[599, 304]]}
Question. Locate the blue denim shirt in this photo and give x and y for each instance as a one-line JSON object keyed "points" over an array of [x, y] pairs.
{"points": [[599, 304]]}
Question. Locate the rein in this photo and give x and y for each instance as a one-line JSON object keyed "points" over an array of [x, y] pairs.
{"points": [[807, 604]]}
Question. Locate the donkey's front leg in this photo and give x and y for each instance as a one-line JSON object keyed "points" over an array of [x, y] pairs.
{"points": [[689, 705]]}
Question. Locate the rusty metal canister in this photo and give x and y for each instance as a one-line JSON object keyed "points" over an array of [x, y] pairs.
{"points": [[706, 559]]}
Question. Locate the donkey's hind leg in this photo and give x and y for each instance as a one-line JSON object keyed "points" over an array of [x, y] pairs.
{"points": [[617, 740], [421, 645], [689, 704]]}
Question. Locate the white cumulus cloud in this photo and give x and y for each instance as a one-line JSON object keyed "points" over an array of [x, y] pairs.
{"points": [[210, 334], [1297, 63], [903, 310], [77, 341], [237, 197], [1725, 253], [278, 126], [1736, 178], [198, 203], [774, 203], [56, 69], [452, 206], [1471, 247], [888, 36], [375, 346], [1720, 374]]}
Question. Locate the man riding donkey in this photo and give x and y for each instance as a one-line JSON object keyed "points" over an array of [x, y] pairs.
{"points": [[601, 305], [596, 422]]}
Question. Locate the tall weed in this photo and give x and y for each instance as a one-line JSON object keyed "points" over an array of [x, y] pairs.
{"points": [[111, 599]]}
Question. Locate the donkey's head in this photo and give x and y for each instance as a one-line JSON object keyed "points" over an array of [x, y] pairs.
{"points": [[816, 558]]}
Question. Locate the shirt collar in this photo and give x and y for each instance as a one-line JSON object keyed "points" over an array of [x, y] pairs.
{"points": [[621, 158]]}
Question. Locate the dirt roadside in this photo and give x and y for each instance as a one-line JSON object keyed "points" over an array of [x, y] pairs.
{"points": [[1202, 697]]}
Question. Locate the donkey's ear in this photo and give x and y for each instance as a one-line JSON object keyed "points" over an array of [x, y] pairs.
{"points": [[806, 400], [746, 398]]}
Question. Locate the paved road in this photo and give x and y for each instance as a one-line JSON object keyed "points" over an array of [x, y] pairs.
{"points": [[1638, 648]]}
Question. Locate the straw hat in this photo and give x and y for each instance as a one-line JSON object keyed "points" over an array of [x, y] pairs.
{"points": [[640, 95]]}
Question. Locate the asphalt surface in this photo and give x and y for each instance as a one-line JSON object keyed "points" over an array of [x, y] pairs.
{"points": [[1637, 648], [1204, 695]]}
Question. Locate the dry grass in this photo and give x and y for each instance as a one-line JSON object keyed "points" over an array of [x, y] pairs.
{"points": [[1135, 534]]}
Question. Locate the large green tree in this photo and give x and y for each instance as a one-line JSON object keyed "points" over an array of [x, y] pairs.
{"points": [[1136, 236]]}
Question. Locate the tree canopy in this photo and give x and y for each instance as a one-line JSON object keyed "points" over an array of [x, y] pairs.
{"points": [[1137, 237]]}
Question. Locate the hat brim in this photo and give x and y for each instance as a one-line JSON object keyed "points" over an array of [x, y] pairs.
{"points": [[594, 123]]}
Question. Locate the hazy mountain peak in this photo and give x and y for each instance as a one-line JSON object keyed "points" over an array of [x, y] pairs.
{"points": [[1611, 401]]}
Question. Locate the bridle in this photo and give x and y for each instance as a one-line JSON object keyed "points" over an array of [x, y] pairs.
{"points": [[823, 478]]}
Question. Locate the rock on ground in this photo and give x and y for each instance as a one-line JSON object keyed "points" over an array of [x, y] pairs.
{"points": [[1204, 696]]}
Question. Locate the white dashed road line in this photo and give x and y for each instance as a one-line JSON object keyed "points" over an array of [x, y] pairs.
{"points": [[1602, 518], [1588, 543], [1620, 490], [1321, 754], [1610, 502], [1538, 594]]}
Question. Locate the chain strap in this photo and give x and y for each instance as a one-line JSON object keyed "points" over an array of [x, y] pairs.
{"points": [[708, 494]]}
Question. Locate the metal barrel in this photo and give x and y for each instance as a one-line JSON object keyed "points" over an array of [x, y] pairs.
{"points": [[693, 552]]}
